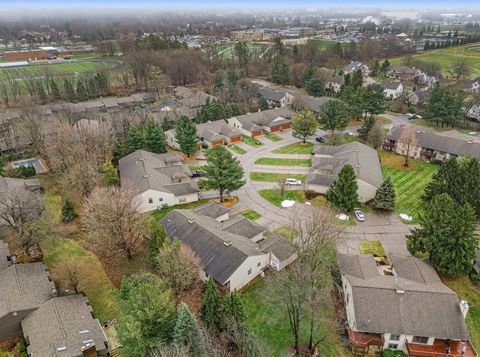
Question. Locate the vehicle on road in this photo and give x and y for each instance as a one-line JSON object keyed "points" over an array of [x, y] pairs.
{"points": [[348, 133], [293, 182], [359, 215], [412, 116], [320, 139]]}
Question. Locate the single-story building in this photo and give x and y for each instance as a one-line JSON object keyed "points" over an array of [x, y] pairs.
{"points": [[254, 124], [232, 251], [400, 303], [329, 160], [277, 97], [160, 179], [355, 66]]}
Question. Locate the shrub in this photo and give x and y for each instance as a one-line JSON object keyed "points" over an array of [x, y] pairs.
{"points": [[310, 194], [393, 353], [68, 212], [27, 171]]}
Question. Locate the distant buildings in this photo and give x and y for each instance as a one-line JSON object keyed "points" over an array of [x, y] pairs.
{"points": [[266, 34], [355, 66]]}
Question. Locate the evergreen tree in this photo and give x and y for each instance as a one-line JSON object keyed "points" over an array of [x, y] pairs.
{"points": [[68, 212], [109, 174], [444, 105], [385, 196], [92, 88], [158, 237], [334, 116], [69, 90], [186, 135], [447, 234], [375, 70], [210, 310], [373, 100], [233, 309], [81, 91], [364, 129], [304, 124], [280, 71], [385, 66], [262, 102], [308, 74], [135, 140], [223, 172], [357, 79], [186, 333], [55, 91], [343, 192], [315, 87], [42, 95], [154, 138]]}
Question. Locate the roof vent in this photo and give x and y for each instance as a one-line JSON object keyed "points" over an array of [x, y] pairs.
{"points": [[399, 290], [470, 142], [357, 150], [83, 332], [228, 243], [357, 165], [145, 176], [191, 220], [61, 349]]}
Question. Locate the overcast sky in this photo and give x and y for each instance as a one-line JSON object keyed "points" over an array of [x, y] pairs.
{"points": [[237, 3]]}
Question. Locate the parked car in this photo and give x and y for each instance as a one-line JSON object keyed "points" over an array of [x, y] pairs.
{"points": [[198, 173], [359, 215], [348, 133], [412, 116], [320, 139], [293, 182]]}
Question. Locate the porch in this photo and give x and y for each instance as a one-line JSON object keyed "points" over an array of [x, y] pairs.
{"points": [[438, 349], [364, 340]]}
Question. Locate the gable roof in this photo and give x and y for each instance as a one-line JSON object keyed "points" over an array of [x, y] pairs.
{"points": [[191, 97], [63, 323], [216, 130], [268, 118], [211, 209], [402, 70], [314, 104], [220, 253], [337, 80], [275, 95], [354, 65], [161, 172], [390, 85], [330, 160], [431, 140], [24, 287], [413, 301]]}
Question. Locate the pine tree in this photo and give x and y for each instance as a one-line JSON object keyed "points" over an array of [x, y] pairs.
{"points": [[447, 234], [385, 66], [385, 196], [357, 79], [223, 172], [308, 74], [186, 135], [92, 88], [135, 140], [81, 91], [158, 237], [210, 310], [304, 124], [55, 91], [375, 70], [280, 71], [364, 129], [187, 333], [334, 116], [154, 138], [109, 174], [42, 95], [68, 212], [233, 309], [343, 192], [315, 87], [69, 90]]}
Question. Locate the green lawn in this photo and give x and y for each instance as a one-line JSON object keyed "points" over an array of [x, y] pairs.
{"points": [[324, 44], [340, 139], [409, 182], [270, 324], [271, 177], [56, 69], [284, 232], [272, 137], [164, 211], [237, 149], [371, 247], [251, 141], [274, 197], [297, 148], [283, 162], [251, 214], [470, 292]]}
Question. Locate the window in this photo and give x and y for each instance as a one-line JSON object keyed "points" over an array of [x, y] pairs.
{"points": [[393, 346], [160, 199], [150, 200], [394, 337], [420, 339], [249, 271]]}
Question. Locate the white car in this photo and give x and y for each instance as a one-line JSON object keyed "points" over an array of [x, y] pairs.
{"points": [[359, 215], [293, 182], [348, 133]]}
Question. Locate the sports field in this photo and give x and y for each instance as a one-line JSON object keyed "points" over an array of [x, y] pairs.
{"points": [[446, 57], [324, 44], [256, 50], [55, 69]]}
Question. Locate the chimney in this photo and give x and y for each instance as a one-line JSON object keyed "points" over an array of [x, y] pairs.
{"points": [[464, 308]]}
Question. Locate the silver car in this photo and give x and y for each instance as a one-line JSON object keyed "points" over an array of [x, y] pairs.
{"points": [[359, 215]]}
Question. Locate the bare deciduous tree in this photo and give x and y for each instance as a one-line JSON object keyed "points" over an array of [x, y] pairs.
{"points": [[376, 135], [408, 138], [71, 275], [112, 215], [460, 68]]}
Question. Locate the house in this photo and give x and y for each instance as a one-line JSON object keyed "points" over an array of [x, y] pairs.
{"points": [[160, 179], [334, 84], [400, 303], [254, 124], [277, 97], [213, 133], [403, 73], [355, 66], [230, 250], [314, 104], [430, 145], [474, 112], [329, 160], [50, 324], [190, 101], [470, 86], [419, 97], [392, 90]]}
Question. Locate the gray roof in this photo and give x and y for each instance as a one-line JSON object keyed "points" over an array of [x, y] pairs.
{"points": [[220, 253], [329, 160], [216, 130], [390, 85], [63, 322], [191, 97], [161, 172], [211, 209], [4, 252], [11, 183], [24, 287], [278, 246], [268, 118], [275, 95], [314, 104], [413, 301], [398, 69], [431, 140], [242, 226], [337, 79], [354, 65]]}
